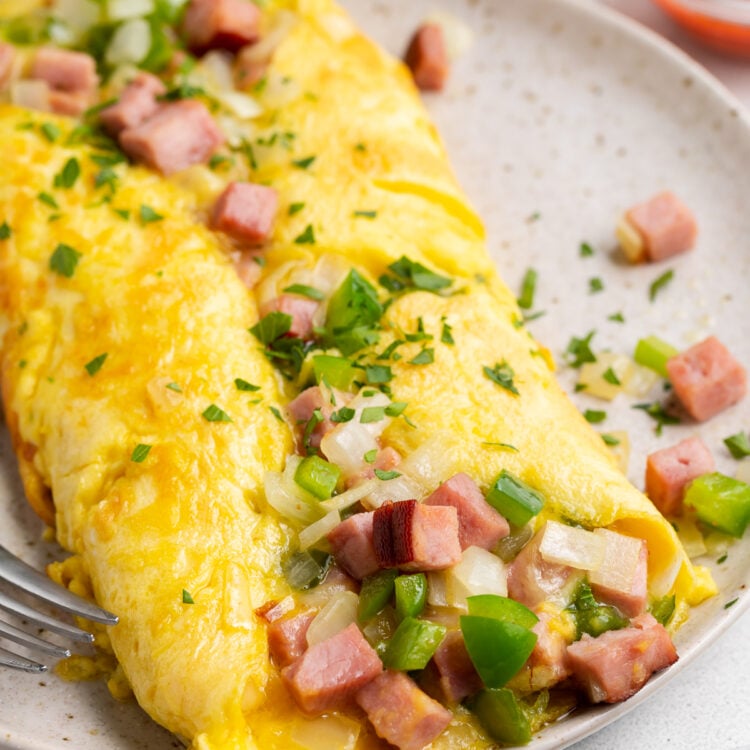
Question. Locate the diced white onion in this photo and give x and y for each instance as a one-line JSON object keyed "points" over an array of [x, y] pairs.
{"points": [[591, 375], [280, 90], [640, 381], [331, 732], [619, 565], [60, 33], [743, 471], [381, 627], [262, 51], [568, 545], [338, 26], [287, 497], [121, 10], [130, 43], [79, 15], [302, 570], [432, 462], [329, 273], [393, 490], [30, 94], [691, 537], [458, 35], [437, 595], [630, 240], [242, 105], [479, 572], [340, 612], [215, 70], [317, 530], [349, 497]]}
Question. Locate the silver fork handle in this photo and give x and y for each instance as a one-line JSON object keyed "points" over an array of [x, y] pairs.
{"points": [[20, 574]]}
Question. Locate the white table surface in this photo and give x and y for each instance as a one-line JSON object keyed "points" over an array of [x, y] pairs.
{"points": [[706, 707]]}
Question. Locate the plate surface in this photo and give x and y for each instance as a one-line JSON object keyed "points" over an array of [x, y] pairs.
{"points": [[558, 116]]}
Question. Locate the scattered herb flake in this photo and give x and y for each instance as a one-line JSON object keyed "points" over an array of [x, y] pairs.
{"points": [[535, 216], [395, 408], [726, 606], [50, 131], [276, 413], [123, 213], [174, 387], [658, 284], [243, 385], [272, 327], [48, 200], [611, 377], [295, 208], [218, 160], [425, 357], [213, 413], [738, 445], [580, 350], [69, 174], [595, 285], [610, 440], [528, 287], [106, 177], [64, 260], [148, 215], [722, 559], [140, 452], [502, 374], [658, 414], [364, 214], [507, 446], [186, 597], [360, 147], [617, 317], [96, 364], [303, 163], [370, 456], [306, 291], [533, 316], [408, 274], [4, 231], [386, 475], [376, 374], [372, 414], [594, 416], [585, 250], [446, 335], [344, 414], [307, 237]]}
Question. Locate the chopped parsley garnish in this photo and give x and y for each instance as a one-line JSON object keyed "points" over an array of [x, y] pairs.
{"points": [[502, 374], [303, 163], [425, 357], [376, 374], [410, 275], [68, 175], [123, 213], [390, 351], [315, 419], [658, 284], [243, 385], [532, 217], [594, 416], [307, 237], [354, 313], [106, 177], [344, 414], [275, 411], [213, 413], [305, 291], [96, 364], [186, 597], [726, 606], [658, 414], [722, 559], [218, 160], [140, 452], [595, 285], [107, 160], [585, 250], [64, 260], [183, 90], [174, 387], [738, 445], [446, 336], [533, 316], [580, 350], [370, 456], [506, 446], [372, 414], [617, 317], [360, 147], [610, 440], [386, 475], [611, 377], [271, 327], [148, 215], [395, 408], [4, 231], [50, 131], [528, 287], [48, 200], [364, 214], [295, 208]]}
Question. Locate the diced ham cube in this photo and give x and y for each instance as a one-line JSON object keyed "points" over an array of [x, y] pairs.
{"points": [[427, 57], [7, 56], [616, 664], [338, 580], [136, 104], [274, 610], [479, 524], [179, 135], [248, 268], [665, 224], [453, 669], [670, 470], [416, 537], [332, 671], [401, 713], [246, 212], [532, 580], [707, 379], [301, 409], [301, 309], [352, 545], [248, 69], [287, 639], [71, 103], [386, 459], [65, 70], [547, 664], [631, 603], [221, 24]]}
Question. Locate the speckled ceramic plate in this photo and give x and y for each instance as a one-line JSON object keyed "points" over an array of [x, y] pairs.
{"points": [[559, 116]]}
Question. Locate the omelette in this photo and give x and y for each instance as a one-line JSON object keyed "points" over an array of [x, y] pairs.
{"points": [[156, 368]]}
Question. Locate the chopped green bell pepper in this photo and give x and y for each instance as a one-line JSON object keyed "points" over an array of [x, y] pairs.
{"points": [[411, 594], [501, 608], [317, 476], [514, 499], [502, 716], [413, 644], [721, 502], [653, 353], [663, 608], [375, 593], [592, 617]]}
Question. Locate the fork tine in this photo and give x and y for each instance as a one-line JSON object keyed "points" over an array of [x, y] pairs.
{"points": [[11, 632], [50, 623], [27, 578], [9, 659]]}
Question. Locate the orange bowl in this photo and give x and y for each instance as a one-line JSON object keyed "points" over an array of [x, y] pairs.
{"points": [[721, 24]]}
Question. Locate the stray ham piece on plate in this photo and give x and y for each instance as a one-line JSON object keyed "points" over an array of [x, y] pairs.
{"points": [[352, 544], [65, 70], [246, 211], [136, 104], [287, 638], [415, 537], [332, 671], [670, 470], [177, 136], [616, 664], [220, 24], [665, 225], [479, 524], [301, 310], [427, 57], [707, 379], [301, 409], [401, 713]]}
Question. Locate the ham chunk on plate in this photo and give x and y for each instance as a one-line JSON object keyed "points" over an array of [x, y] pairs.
{"points": [[352, 544], [136, 104], [220, 24], [670, 470], [427, 57], [329, 673], [618, 663], [301, 310], [179, 135], [287, 638], [401, 713], [479, 524], [707, 379], [452, 670], [65, 70], [246, 212], [301, 410]]}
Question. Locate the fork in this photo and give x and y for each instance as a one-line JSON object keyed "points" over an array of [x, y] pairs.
{"points": [[31, 581]]}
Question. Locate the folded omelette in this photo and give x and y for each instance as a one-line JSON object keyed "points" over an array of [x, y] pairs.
{"points": [[127, 330]]}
